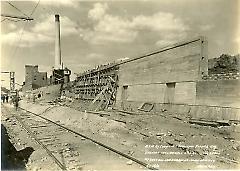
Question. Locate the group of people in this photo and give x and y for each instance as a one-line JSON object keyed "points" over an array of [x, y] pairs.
{"points": [[14, 100], [4, 98]]}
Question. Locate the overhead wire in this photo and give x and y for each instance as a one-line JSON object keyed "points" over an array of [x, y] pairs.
{"points": [[17, 9], [22, 30], [20, 39], [14, 20], [34, 9], [3, 20]]}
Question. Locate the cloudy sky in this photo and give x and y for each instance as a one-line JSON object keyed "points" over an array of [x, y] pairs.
{"points": [[98, 32]]}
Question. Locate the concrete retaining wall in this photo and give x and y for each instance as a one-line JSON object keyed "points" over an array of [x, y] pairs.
{"points": [[215, 113], [173, 79], [225, 93], [181, 62], [168, 75]]}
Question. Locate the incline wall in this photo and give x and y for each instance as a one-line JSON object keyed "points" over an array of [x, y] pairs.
{"points": [[166, 76], [176, 79]]}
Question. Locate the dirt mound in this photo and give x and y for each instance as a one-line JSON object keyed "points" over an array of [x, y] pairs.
{"points": [[85, 121], [35, 108]]}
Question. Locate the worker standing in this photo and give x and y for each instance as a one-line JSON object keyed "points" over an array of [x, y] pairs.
{"points": [[3, 98], [7, 98], [16, 99]]}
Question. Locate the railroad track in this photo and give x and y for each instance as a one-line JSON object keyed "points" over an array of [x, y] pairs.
{"points": [[60, 142]]}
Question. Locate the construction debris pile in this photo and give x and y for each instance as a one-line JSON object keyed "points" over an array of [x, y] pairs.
{"points": [[133, 134]]}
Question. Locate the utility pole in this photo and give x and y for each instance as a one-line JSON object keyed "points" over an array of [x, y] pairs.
{"points": [[17, 17], [12, 79]]}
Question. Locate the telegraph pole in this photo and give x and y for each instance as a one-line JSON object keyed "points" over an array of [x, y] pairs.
{"points": [[12, 79]]}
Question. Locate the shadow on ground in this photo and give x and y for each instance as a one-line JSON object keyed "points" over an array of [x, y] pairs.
{"points": [[11, 159]]}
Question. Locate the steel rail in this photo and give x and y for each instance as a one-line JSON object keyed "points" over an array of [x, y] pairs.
{"points": [[96, 142], [38, 141]]}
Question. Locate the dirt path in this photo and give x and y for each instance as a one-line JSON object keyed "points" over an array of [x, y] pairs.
{"points": [[83, 153], [162, 141]]}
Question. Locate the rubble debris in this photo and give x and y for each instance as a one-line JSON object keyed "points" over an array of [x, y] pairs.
{"points": [[123, 111], [224, 122], [98, 113], [178, 118], [120, 121], [236, 147], [161, 134], [130, 162], [204, 122], [146, 107]]}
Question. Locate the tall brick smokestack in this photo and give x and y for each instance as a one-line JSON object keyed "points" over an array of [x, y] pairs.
{"points": [[57, 43]]}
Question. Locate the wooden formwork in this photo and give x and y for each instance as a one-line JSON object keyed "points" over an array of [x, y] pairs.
{"points": [[99, 85]]}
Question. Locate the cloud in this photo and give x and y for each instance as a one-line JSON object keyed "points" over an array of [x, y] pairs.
{"points": [[107, 28], [11, 26], [95, 59], [237, 37], [41, 32], [237, 41], [45, 68], [47, 26], [89, 60], [98, 11], [122, 59], [28, 39], [206, 27], [170, 38], [58, 3], [78, 68], [94, 56], [159, 22], [111, 28]]}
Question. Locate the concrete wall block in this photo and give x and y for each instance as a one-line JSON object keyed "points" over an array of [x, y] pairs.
{"points": [[196, 112], [185, 93], [219, 93], [182, 110], [236, 114], [147, 93], [218, 113], [204, 112], [176, 64], [226, 113], [146, 76], [211, 113]]}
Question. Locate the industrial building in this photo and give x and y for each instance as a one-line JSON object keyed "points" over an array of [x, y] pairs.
{"points": [[34, 79]]}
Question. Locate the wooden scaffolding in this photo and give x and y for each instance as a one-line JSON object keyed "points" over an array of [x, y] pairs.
{"points": [[98, 85]]}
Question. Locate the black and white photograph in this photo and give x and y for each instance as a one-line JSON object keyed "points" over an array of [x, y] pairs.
{"points": [[120, 85]]}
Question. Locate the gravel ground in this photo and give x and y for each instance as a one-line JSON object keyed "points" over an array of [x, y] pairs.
{"points": [[152, 137]]}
